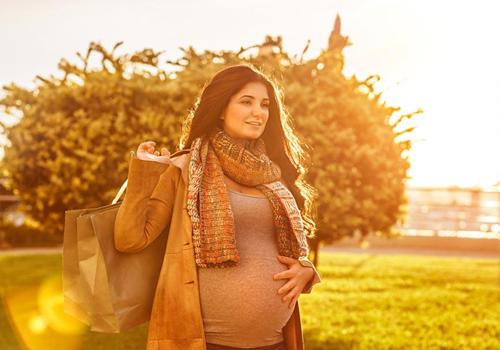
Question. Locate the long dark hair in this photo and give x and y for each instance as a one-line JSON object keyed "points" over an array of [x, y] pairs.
{"points": [[282, 144]]}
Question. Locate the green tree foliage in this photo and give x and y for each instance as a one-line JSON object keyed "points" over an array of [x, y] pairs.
{"points": [[358, 159], [71, 146]]}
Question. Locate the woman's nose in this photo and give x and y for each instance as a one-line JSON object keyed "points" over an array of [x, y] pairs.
{"points": [[259, 111]]}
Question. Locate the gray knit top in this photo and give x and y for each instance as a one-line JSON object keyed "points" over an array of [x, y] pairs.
{"points": [[240, 305]]}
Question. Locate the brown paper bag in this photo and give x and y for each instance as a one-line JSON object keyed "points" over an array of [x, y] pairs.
{"points": [[74, 298], [108, 290]]}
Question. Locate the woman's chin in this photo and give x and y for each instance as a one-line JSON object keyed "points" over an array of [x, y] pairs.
{"points": [[253, 136], [249, 136]]}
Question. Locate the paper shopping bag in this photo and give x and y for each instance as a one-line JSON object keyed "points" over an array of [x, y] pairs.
{"points": [[109, 290]]}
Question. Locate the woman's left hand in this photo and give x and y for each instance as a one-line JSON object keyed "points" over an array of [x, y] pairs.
{"points": [[298, 276]]}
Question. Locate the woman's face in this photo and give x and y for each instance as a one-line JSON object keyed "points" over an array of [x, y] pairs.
{"points": [[247, 112]]}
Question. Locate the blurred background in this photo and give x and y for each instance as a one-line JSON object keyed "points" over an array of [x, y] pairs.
{"points": [[399, 103]]}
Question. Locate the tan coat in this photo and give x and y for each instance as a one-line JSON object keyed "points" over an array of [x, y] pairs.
{"points": [[155, 202]]}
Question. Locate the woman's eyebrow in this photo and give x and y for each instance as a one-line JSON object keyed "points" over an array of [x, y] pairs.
{"points": [[253, 97]]}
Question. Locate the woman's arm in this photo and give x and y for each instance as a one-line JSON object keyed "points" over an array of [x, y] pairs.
{"points": [[147, 207]]}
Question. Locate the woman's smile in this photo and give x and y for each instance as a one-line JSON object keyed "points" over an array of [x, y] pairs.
{"points": [[253, 125]]}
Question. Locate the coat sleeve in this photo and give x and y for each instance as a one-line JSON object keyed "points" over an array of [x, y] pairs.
{"points": [[147, 207], [304, 261]]}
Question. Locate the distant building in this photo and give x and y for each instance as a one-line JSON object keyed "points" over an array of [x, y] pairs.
{"points": [[9, 204], [453, 211]]}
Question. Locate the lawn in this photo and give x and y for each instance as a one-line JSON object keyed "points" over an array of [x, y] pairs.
{"points": [[364, 302]]}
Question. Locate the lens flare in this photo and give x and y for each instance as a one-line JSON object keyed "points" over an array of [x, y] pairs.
{"points": [[38, 319]]}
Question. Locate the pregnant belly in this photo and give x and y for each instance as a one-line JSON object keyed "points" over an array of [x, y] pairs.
{"points": [[240, 304]]}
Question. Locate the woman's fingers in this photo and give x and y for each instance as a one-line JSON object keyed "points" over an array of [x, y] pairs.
{"points": [[286, 287], [146, 151], [294, 292], [283, 275], [148, 146], [293, 301], [286, 260], [151, 147]]}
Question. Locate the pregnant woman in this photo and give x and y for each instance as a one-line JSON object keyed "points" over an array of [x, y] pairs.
{"points": [[236, 214]]}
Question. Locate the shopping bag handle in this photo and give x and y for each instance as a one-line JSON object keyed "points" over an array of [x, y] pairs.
{"points": [[120, 192], [124, 185]]}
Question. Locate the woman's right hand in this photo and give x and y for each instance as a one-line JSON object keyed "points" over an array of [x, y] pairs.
{"points": [[146, 151]]}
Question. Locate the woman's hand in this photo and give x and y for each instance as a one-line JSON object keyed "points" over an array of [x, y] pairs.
{"points": [[298, 276], [146, 151]]}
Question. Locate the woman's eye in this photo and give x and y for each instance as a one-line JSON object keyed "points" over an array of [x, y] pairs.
{"points": [[249, 102]]}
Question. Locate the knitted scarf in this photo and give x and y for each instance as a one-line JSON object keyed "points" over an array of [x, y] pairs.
{"points": [[208, 203]]}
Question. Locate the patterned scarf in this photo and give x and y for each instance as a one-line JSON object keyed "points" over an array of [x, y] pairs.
{"points": [[208, 203]]}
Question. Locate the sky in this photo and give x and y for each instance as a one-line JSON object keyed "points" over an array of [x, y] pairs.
{"points": [[442, 57]]}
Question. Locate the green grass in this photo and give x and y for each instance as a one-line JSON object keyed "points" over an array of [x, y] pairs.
{"points": [[403, 302], [363, 302]]}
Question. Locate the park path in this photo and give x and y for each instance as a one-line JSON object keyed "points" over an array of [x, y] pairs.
{"points": [[409, 251], [330, 249], [31, 251]]}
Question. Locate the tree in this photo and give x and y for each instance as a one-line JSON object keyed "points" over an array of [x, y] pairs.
{"points": [[70, 148], [359, 147]]}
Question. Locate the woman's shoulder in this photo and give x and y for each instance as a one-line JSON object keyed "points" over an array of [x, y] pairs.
{"points": [[176, 167], [181, 153], [180, 158]]}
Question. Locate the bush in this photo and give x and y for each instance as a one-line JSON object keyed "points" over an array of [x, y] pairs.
{"points": [[25, 236]]}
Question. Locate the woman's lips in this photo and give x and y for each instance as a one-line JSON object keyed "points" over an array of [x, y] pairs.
{"points": [[254, 125]]}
